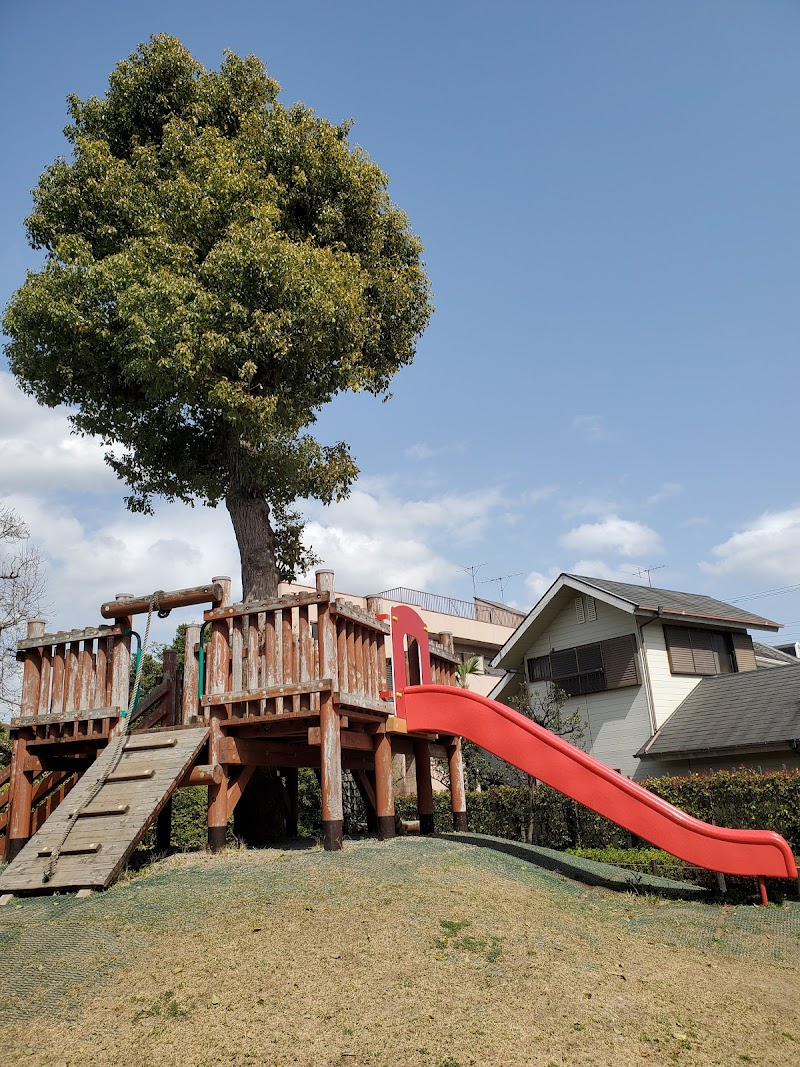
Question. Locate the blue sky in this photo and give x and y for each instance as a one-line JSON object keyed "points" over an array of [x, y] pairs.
{"points": [[607, 195]]}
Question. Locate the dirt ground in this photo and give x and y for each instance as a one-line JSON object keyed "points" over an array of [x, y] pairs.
{"points": [[415, 953]]}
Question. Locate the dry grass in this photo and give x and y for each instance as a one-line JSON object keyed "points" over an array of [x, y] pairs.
{"points": [[461, 963]]}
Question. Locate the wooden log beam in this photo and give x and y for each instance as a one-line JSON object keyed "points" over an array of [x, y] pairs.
{"points": [[174, 598], [315, 685], [293, 600], [268, 723], [348, 739], [238, 786], [202, 774]]}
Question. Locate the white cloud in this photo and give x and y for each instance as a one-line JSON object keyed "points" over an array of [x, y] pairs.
{"points": [[375, 539], [538, 496], [613, 534], [666, 492], [590, 427], [598, 568], [764, 550], [423, 451], [38, 453], [593, 504], [538, 583], [85, 565]]}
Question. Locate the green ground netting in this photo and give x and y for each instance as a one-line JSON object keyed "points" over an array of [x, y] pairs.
{"points": [[52, 945]]}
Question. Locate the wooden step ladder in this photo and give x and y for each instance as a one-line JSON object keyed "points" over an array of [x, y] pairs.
{"points": [[114, 822]]}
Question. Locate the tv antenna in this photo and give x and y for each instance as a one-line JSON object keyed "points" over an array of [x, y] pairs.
{"points": [[473, 570], [502, 581], [641, 571]]}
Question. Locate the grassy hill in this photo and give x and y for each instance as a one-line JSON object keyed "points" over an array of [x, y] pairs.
{"points": [[418, 952]]}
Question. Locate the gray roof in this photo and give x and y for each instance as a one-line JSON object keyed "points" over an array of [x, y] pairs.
{"points": [[771, 652], [672, 602], [749, 710]]}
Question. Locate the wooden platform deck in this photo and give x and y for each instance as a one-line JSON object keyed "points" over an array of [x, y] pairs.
{"points": [[102, 839]]}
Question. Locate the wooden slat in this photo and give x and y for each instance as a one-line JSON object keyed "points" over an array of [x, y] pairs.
{"points": [[237, 648], [89, 714], [287, 654], [367, 703], [99, 698], [347, 611], [57, 685], [116, 832]]}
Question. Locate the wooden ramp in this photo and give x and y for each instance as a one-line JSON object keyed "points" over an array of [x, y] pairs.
{"points": [[113, 824]]}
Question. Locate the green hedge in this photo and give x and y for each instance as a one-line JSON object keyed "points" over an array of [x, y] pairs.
{"points": [[741, 799]]}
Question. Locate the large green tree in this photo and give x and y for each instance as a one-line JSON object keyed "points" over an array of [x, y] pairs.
{"points": [[218, 267]]}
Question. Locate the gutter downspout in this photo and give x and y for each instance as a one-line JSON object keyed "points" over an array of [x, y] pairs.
{"points": [[648, 689]]}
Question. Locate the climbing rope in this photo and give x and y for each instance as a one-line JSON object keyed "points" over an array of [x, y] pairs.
{"points": [[126, 718]]}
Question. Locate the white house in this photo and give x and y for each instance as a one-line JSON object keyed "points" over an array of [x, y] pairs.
{"points": [[629, 656]]}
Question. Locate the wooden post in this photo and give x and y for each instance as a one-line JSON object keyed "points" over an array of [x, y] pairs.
{"points": [[190, 704], [169, 660], [422, 762], [446, 640], [217, 682], [458, 794], [384, 786], [330, 726], [291, 778], [20, 788]]}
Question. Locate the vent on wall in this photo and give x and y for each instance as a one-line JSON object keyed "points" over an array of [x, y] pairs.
{"points": [[580, 614], [591, 609]]}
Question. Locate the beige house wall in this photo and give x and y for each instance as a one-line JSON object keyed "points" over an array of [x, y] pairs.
{"points": [[669, 690], [617, 722]]}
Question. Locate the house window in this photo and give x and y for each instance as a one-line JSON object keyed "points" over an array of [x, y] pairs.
{"points": [[706, 652], [593, 668]]}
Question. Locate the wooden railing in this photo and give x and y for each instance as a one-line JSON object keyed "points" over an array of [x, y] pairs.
{"points": [[443, 664], [47, 794], [75, 674], [360, 658], [272, 653], [273, 657]]}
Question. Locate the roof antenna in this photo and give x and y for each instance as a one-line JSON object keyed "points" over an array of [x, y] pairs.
{"points": [[502, 581], [641, 571], [473, 570]]}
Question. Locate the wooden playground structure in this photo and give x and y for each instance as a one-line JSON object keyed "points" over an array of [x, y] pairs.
{"points": [[299, 681]]}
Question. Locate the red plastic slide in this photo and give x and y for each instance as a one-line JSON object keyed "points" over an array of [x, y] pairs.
{"points": [[540, 753]]}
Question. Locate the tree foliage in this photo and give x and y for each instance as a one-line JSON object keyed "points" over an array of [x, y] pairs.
{"points": [[217, 268], [21, 592], [546, 710]]}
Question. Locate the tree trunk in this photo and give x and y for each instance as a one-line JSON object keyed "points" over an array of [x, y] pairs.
{"points": [[256, 541]]}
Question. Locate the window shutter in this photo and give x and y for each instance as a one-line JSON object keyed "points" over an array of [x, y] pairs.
{"points": [[579, 612], [590, 658], [620, 662], [591, 609], [539, 669], [564, 663], [703, 652], [743, 652], [679, 649]]}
